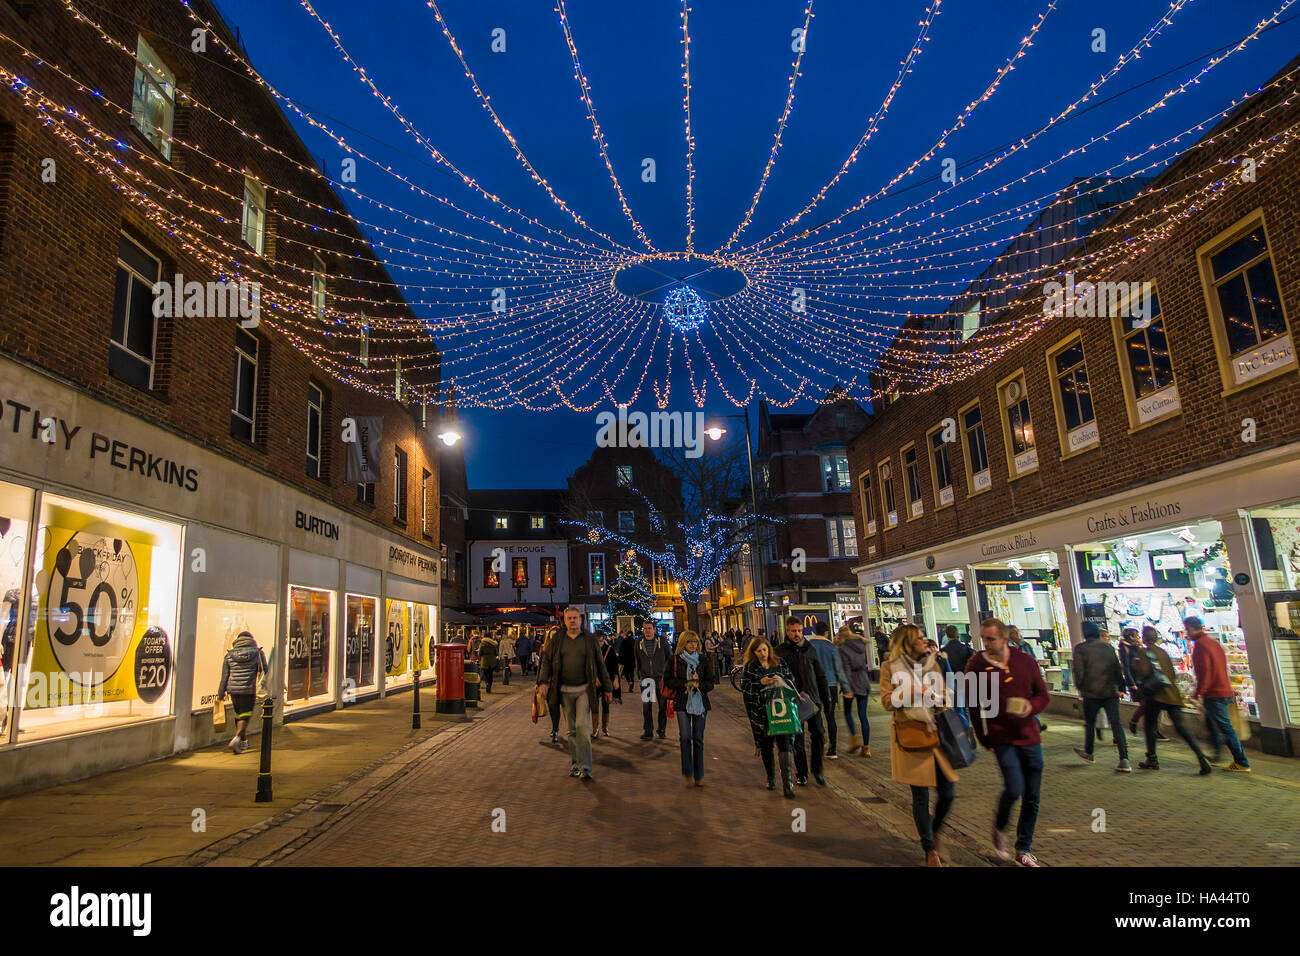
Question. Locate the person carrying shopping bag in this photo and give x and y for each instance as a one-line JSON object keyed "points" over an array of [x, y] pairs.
{"points": [[763, 674]]}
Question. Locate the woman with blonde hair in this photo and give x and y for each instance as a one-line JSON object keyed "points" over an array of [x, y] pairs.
{"points": [[912, 689], [691, 676], [761, 670]]}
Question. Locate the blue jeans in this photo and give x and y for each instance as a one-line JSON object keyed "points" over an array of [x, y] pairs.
{"points": [[861, 702], [691, 729], [1220, 729], [1022, 779], [577, 715]]}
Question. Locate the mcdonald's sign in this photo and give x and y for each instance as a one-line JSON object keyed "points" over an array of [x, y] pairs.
{"points": [[809, 615]]}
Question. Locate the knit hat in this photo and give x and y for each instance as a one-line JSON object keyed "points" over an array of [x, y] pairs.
{"points": [[1090, 631]]}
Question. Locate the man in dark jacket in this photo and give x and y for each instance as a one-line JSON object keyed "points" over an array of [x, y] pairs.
{"points": [[524, 651], [573, 676], [1012, 733], [1158, 682], [956, 650], [243, 665], [810, 679], [1100, 679], [651, 658]]}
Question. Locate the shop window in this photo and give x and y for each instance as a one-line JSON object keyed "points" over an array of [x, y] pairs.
{"points": [[366, 493], [315, 430], [243, 406], [868, 502], [1072, 397], [978, 476], [596, 572], [253, 228], [537, 523], [912, 482], [153, 98], [1017, 426], [888, 499], [491, 576], [131, 353], [426, 512], [623, 476], [835, 473], [15, 518], [397, 646], [1277, 540], [102, 650], [359, 649], [399, 485], [658, 577], [548, 572], [307, 666], [217, 625], [1250, 328], [1147, 368], [940, 468], [627, 521], [318, 287], [519, 572]]}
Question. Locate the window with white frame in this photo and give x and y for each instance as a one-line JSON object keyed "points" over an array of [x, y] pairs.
{"points": [[1073, 397], [978, 477], [868, 502], [912, 482], [243, 405], [1017, 426], [835, 473], [596, 572], [315, 428], [153, 98], [537, 523], [134, 332], [501, 522], [888, 497], [399, 485], [425, 510], [842, 537], [254, 219], [318, 287], [1147, 365], [940, 469]]}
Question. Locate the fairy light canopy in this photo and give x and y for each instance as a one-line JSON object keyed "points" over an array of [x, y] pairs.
{"points": [[584, 206]]}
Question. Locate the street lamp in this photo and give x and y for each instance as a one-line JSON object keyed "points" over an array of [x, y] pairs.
{"points": [[449, 437], [716, 432]]}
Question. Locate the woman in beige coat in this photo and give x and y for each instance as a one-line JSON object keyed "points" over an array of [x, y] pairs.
{"points": [[911, 689]]}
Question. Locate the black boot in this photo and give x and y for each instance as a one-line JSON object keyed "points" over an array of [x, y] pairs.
{"points": [[787, 775]]}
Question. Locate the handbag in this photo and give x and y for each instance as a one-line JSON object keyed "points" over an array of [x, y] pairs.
{"points": [[955, 739], [666, 692], [539, 705], [219, 714], [1240, 726], [915, 734], [1153, 680], [808, 708]]}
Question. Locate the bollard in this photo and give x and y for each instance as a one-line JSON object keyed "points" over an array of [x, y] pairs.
{"points": [[264, 771], [415, 713]]}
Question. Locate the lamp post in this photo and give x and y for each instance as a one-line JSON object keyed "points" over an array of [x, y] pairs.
{"points": [[716, 432]]}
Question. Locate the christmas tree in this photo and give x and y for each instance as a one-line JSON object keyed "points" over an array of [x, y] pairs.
{"points": [[629, 594]]}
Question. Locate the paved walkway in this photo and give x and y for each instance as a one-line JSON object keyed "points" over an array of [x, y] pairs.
{"points": [[635, 812]]}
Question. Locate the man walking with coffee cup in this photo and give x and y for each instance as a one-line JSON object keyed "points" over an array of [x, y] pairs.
{"points": [[1019, 693]]}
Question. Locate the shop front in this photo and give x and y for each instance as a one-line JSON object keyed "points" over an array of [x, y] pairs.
{"points": [[1221, 544], [131, 559]]}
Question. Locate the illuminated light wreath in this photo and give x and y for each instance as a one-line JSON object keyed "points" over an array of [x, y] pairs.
{"points": [[685, 310]]}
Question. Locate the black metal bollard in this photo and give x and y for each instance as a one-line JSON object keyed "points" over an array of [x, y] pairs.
{"points": [[264, 771], [415, 713]]}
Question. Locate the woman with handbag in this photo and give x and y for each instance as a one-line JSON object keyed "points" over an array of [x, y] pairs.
{"points": [[690, 676], [909, 677], [241, 671], [763, 672]]}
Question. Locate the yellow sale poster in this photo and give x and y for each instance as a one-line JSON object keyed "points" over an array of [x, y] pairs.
{"points": [[396, 649], [420, 638]]}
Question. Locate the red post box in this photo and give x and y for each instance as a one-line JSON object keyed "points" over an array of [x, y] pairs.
{"points": [[450, 667]]}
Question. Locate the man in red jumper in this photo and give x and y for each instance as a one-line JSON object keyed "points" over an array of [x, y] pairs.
{"points": [[1011, 733], [1215, 691]]}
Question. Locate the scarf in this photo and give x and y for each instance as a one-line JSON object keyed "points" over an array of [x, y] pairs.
{"points": [[694, 699]]}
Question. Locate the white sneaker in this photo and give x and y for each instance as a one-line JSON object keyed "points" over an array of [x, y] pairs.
{"points": [[234, 745], [244, 747]]}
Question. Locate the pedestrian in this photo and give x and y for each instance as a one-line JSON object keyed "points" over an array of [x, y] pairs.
{"points": [[1158, 682], [856, 689], [538, 654], [1130, 645], [713, 650], [241, 669], [881, 640], [651, 659], [691, 676], [1011, 733], [488, 650], [573, 676], [909, 673], [728, 650], [609, 654], [1215, 692], [627, 659], [747, 638], [523, 651], [1100, 679], [957, 651], [761, 669], [474, 641], [507, 655], [828, 655], [810, 680]]}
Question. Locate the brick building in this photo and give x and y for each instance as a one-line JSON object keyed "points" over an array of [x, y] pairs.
{"points": [[803, 473], [168, 480], [1132, 467]]}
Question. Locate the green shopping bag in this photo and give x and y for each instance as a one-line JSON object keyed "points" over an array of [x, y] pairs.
{"points": [[781, 704]]}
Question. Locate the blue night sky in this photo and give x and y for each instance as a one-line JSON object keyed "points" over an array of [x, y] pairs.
{"points": [[740, 64]]}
